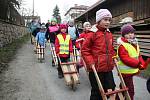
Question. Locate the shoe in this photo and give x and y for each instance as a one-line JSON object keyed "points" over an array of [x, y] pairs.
{"points": [[60, 75], [53, 65]]}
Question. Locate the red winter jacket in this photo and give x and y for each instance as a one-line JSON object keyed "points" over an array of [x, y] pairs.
{"points": [[98, 49], [57, 45], [81, 36]]}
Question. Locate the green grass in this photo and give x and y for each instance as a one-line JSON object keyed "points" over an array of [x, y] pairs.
{"points": [[146, 73], [8, 52]]}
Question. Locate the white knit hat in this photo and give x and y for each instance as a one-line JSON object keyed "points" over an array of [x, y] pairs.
{"points": [[86, 23], [102, 13], [126, 20]]}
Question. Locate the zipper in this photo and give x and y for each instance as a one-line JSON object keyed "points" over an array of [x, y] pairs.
{"points": [[107, 58]]}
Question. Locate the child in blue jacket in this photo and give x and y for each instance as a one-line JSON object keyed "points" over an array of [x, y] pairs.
{"points": [[41, 40]]}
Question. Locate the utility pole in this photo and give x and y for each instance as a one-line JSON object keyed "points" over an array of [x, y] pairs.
{"points": [[33, 9]]}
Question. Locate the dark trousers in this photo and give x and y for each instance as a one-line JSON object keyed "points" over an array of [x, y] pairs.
{"points": [[74, 42], [63, 59], [129, 83], [107, 81], [148, 84]]}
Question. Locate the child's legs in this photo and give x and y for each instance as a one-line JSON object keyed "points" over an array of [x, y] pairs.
{"points": [[148, 84], [38, 50], [73, 42], [95, 93], [53, 46], [107, 82], [59, 66], [129, 83]]}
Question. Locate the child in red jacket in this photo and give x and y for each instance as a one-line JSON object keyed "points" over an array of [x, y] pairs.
{"points": [[97, 50], [131, 62], [83, 35], [63, 47], [80, 40]]}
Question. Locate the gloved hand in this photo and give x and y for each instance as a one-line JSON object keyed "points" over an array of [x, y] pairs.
{"points": [[141, 67], [143, 64], [147, 62], [115, 61], [57, 55], [92, 66]]}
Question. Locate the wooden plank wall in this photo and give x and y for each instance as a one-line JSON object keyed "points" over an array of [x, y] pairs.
{"points": [[141, 9]]}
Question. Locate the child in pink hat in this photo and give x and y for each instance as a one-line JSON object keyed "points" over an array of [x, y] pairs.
{"points": [[97, 50], [63, 47]]}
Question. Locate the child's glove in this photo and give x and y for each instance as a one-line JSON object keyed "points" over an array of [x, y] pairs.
{"points": [[115, 61], [141, 67], [57, 54], [144, 64]]}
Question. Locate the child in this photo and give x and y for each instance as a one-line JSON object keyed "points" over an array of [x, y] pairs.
{"points": [[83, 35], [51, 33], [63, 47], [79, 41], [40, 37], [73, 31], [97, 50], [131, 62]]}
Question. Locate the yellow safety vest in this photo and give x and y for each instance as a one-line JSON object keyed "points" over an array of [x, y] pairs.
{"points": [[132, 53], [64, 44]]}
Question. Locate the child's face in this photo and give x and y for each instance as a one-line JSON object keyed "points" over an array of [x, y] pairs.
{"points": [[42, 30], [129, 36], [88, 27], [105, 22], [53, 23], [63, 30]]}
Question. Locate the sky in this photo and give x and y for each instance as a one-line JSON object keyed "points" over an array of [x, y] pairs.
{"points": [[44, 8]]}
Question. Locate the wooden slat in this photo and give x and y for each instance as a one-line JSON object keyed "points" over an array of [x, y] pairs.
{"points": [[143, 32], [143, 36], [145, 47], [145, 54], [144, 40]]}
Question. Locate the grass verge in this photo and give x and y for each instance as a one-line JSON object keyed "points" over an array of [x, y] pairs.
{"points": [[8, 52]]}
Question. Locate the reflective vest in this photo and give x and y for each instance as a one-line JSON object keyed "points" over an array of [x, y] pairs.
{"points": [[64, 44], [132, 53]]}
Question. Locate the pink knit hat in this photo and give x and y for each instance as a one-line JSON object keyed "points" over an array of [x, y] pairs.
{"points": [[62, 26], [102, 13]]}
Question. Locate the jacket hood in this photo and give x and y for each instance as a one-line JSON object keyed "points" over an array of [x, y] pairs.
{"points": [[95, 29], [119, 41]]}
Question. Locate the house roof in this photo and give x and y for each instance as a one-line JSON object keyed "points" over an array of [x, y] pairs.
{"points": [[93, 6], [80, 7]]}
